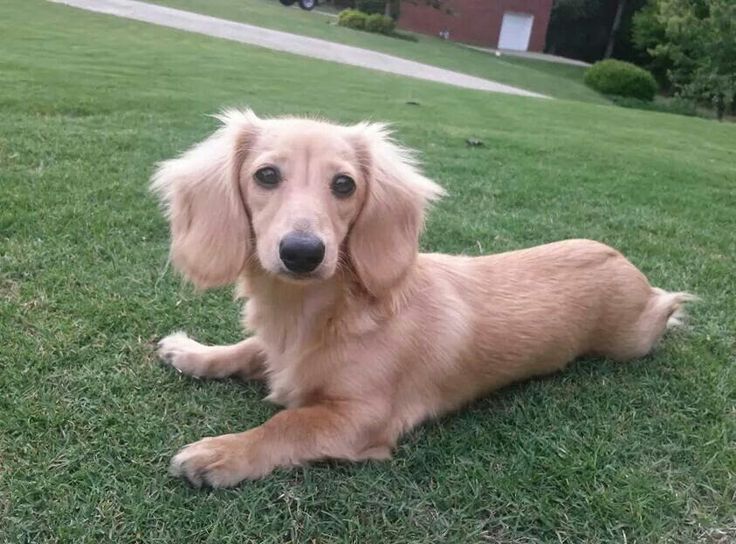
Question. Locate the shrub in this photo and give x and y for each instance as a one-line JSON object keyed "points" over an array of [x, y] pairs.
{"points": [[404, 36], [371, 6], [621, 78], [352, 18], [677, 106], [379, 23]]}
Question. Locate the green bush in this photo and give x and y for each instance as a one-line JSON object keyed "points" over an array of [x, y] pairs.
{"points": [[620, 78], [352, 18], [371, 6], [379, 23]]}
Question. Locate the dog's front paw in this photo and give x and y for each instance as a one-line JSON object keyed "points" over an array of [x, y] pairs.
{"points": [[221, 461], [183, 353]]}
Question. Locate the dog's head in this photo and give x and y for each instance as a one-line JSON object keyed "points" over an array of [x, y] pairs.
{"points": [[302, 197]]}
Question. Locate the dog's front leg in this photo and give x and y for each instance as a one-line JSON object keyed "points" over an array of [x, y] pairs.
{"points": [[292, 437], [245, 359]]}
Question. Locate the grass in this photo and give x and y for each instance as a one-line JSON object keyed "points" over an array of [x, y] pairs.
{"points": [[642, 452], [558, 80]]}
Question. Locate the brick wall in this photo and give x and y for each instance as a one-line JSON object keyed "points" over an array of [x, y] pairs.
{"points": [[476, 22]]}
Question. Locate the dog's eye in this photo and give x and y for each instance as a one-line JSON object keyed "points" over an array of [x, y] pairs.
{"points": [[268, 176], [343, 186]]}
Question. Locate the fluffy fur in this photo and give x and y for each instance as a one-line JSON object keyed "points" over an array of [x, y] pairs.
{"points": [[379, 337]]}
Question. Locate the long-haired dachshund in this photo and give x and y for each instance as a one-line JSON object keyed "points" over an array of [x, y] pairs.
{"points": [[358, 335]]}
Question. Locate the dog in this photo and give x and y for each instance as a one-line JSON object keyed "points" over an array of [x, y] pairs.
{"points": [[358, 335]]}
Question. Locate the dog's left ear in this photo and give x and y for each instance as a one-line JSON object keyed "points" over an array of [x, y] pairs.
{"points": [[384, 240]]}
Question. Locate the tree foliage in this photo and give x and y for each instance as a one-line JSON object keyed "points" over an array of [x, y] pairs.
{"points": [[696, 41], [647, 33]]}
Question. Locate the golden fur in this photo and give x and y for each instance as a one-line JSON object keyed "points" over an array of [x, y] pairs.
{"points": [[379, 337]]}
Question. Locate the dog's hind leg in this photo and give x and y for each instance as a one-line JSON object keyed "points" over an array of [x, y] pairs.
{"points": [[244, 360]]}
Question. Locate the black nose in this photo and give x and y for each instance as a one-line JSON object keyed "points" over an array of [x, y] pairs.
{"points": [[301, 252]]}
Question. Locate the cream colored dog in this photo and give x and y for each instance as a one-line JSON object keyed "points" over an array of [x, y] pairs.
{"points": [[358, 335]]}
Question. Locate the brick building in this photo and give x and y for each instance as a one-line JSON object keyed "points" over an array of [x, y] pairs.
{"points": [[505, 24]]}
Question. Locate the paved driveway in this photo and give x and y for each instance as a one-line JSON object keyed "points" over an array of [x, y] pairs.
{"points": [[291, 43]]}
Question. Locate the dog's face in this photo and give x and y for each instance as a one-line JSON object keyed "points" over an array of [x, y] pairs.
{"points": [[303, 187], [301, 197]]}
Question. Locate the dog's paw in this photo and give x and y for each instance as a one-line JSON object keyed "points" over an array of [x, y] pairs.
{"points": [[183, 353], [221, 461]]}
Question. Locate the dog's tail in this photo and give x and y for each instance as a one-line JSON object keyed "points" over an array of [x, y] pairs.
{"points": [[672, 305], [663, 311]]}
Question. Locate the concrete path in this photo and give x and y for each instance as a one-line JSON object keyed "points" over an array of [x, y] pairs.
{"points": [[291, 43], [531, 55]]}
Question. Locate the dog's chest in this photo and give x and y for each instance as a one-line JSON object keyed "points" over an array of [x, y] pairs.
{"points": [[297, 351], [284, 386]]}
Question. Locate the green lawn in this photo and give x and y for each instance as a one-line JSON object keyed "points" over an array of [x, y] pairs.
{"points": [[642, 452], [561, 81]]}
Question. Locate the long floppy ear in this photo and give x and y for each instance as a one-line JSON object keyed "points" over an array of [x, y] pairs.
{"points": [[383, 243], [210, 231]]}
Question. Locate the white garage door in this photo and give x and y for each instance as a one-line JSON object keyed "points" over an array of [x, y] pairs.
{"points": [[515, 31]]}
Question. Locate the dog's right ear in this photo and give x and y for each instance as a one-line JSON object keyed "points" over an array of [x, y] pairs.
{"points": [[210, 229]]}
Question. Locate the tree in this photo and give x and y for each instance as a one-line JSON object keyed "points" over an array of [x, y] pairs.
{"points": [[614, 29], [698, 39], [592, 29], [393, 8]]}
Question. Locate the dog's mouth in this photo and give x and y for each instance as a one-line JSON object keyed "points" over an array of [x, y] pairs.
{"points": [[299, 277]]}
